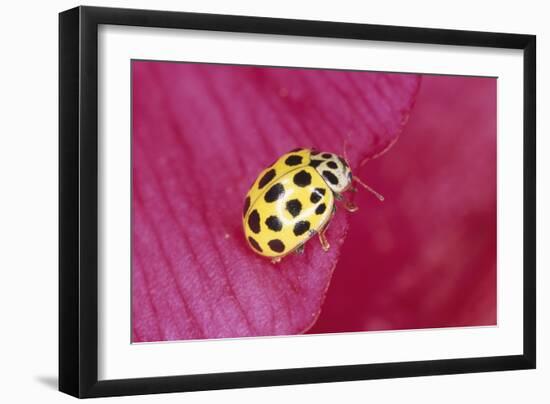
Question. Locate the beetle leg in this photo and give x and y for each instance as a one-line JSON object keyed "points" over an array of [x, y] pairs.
{"points": [[299, 250], [275, 260], [323, 240], [348, 205]]}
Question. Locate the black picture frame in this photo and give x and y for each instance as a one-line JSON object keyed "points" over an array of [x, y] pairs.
{"points": [[78, 201]]}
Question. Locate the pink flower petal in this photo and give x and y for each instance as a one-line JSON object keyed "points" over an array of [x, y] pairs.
{"points": [[427, 258], [201, 134]]}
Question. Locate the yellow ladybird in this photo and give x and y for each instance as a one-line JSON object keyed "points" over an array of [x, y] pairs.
{"points": [[294, 199]]}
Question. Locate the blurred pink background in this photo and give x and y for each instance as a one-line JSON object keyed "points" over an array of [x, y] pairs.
{"points": [[423, 258], [428, 255]]}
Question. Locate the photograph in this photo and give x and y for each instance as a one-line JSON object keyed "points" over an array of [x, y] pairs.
{"points": [[269, 202], [273, 201]]}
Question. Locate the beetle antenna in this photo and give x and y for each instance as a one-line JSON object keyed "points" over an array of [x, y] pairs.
{"points": [[372, 191], [345, 152]]}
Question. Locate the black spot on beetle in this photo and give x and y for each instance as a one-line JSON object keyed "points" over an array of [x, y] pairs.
{"points": [[315, 163], [276, 245], [254, 221], [246, 205], [274, 193], [301, 227], [330, 177], [321, 209], [326, 155], [266, 178], [317, 195], [332, 164], [294, 207], [302, 179], [293, 160], [254, 244], [274, 223]]}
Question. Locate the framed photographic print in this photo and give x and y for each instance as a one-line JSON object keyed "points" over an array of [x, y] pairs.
{"points": [[250, 201]]}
